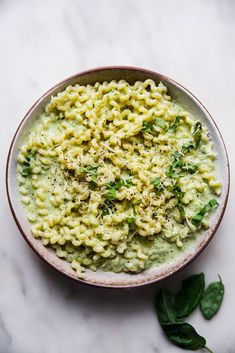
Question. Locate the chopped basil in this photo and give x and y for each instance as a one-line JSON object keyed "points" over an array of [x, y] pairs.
{"points": [[157, 183], [186, 147], [91, 171], [161, 123], [175, 124], [197, 219], [178, 166], [116, 185], [179, 194], [112, 194], [107, 207], [26, 167], [131, 222], [190, 167], [148, 127], [197, 134]]}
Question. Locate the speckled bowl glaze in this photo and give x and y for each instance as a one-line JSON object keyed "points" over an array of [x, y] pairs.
{"points": [[110, 279]]}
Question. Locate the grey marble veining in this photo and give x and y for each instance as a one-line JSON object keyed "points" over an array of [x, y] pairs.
{"points": [[42, 42]]}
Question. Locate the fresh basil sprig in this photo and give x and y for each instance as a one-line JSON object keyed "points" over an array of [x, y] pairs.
{"points": [[212, 299], [173, 309], [197, 219], [189, 295]]}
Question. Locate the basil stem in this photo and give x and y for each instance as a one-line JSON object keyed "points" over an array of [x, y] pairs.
{"points": [[91, 171], [212, 299], [197, 219], [189, 295]]}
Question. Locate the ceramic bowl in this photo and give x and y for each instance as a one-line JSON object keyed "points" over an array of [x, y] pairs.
{"points": [[110, 279]]}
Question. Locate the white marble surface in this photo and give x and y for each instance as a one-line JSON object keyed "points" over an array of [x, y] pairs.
{"points": [[42, 42]]}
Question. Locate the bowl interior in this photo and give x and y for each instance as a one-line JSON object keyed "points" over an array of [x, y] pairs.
{"points": [[109, 279]]}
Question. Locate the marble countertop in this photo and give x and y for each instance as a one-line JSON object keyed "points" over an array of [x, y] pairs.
{"points": [[43, 42]]}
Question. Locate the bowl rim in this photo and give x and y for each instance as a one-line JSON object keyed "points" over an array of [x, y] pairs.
{"points": [[166, 274]]}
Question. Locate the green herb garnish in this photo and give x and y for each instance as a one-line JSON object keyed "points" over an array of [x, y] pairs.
{"points": [[116, 185], [189, 167], [161, 123], [107, 207], [157, 183], [186, 147], [178, 166], [91, 171], [197, 219], [179, 194], [175, 124], [148, 127], [26, 167], [131, 222], [197, 133], [212, 299]]}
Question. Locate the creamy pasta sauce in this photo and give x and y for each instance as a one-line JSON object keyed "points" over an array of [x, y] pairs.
{"points": [[117, 176]]}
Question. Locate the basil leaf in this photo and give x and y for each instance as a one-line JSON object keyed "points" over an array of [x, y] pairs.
{"points": [[186, 147], [148, 127], [184, 336], [176, 190], [190, 167], [197, 133], [212, 299], [116, 185], [181, 210], [131, 223], [157, 183], [165, 307], [112, 194], [26, 166], [127, 182], [107, 207], [161, 123], [189, 295], [197, 219], [175, 124]]}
